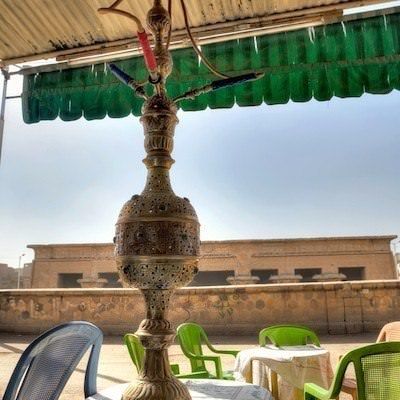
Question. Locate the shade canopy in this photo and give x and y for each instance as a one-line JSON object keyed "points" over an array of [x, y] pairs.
{"points": [[38, 29], [344, 60]]}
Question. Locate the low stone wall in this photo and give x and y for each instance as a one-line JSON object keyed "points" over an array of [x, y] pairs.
{"points": [[335, 308]]}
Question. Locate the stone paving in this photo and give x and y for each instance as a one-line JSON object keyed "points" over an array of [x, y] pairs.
{"points": [[115, 366]]}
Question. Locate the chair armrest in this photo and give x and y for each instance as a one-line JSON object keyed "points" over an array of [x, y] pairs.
{"points": [[215, 359], [233, 353], [213, 349], [313, 391], [194, 375], [230, 352]]}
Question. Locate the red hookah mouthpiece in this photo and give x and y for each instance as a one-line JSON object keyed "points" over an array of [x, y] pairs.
{"points": [[148, 54]]}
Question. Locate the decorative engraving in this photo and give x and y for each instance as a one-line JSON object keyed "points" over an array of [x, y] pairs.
{"points": [[157, 240], [157, 246], [158, 21], [155, 387], [154, 203], [156, 276]]}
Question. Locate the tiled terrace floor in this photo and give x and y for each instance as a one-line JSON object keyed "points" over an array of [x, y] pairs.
{"points": [[115, 366]]}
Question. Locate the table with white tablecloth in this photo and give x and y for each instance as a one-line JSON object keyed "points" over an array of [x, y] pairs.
{"points": [[202, 389], [295, 365]]}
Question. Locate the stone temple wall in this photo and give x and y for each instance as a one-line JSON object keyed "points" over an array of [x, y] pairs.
{"points": [[242, 260], [335, 308]]}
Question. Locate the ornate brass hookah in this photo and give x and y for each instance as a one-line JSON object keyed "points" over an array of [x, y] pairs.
{"points": [[157, 241]]}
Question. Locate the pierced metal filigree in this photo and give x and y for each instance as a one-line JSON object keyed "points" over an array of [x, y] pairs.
{"points": [[157, 241], [161, 276]]}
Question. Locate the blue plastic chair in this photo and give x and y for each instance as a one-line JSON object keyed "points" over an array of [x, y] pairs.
{"points": [[47, 363]]}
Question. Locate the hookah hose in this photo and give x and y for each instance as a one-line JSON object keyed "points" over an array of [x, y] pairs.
{"points": [[151, 62], [127, 80], [219, 84], [148, 54]]}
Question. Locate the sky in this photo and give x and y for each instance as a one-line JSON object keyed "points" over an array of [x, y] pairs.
{"points": [[295, 170]]}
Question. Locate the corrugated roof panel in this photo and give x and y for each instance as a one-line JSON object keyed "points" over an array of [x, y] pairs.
{"points": [[41, 26]]}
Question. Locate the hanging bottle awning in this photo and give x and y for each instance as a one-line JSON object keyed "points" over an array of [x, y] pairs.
{"points": [[345, 59]]}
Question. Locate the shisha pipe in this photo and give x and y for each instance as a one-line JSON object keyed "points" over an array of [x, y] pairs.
{"points": [[157, 239]]}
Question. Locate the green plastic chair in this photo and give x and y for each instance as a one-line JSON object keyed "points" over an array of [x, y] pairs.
{"points": [[190, 337], [136, 351], [377, 368], [389, 333], [287, 335]]}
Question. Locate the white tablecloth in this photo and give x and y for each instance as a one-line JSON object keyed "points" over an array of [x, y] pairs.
{"points": [[295, 366], [202, 389]]}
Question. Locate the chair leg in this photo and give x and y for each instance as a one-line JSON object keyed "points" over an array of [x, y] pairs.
{"points": [[308, 396], [353, 393], [274, 385], [350, 387]]}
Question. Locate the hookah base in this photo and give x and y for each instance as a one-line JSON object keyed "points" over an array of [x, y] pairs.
{"points": [[168, 389]]}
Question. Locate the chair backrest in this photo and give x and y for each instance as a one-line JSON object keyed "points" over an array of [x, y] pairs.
{"points": [[288, 335], [190, 337], [47, 363], [377, 368], [135, 349], [390, 332]]}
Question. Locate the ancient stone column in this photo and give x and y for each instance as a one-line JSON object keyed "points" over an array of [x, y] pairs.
{"points": [[285, 278]]}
